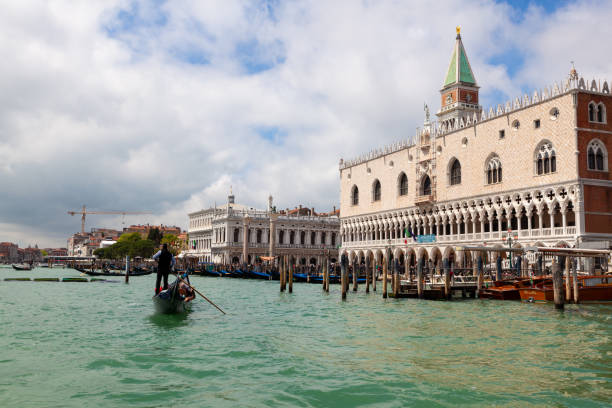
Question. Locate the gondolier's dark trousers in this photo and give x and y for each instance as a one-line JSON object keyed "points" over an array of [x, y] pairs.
{"points": [[161, 273]]}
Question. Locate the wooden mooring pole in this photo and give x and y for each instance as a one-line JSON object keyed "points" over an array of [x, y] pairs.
{"points": [[281, 272], [480, 278], [324, 274], [420, 278], [355, 273], [367, 268], [568, 280], [327, 275], [557, 285], [374, 275], [385, 262], [127, 269], [447, 280], [396, 279], [343, 275], [575, 282], [291, 266]]}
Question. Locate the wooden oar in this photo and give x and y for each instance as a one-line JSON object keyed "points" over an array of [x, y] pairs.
{"points": [[198, 292]]}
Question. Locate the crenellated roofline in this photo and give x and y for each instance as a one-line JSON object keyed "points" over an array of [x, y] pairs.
{"points": [[437, 129]]}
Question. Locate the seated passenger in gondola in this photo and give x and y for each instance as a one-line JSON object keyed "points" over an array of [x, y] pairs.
{"points": [[186, 292]]}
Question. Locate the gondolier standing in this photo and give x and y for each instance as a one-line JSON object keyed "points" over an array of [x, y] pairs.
{"points": [[165, 261]]}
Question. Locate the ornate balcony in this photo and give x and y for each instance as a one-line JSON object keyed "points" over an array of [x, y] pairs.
{"points": [[424, 199]]}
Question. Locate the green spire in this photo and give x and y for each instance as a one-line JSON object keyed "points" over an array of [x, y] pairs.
{"points": [[452, 70], [459, 69]]}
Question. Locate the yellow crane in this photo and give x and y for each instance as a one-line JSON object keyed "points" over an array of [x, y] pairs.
{"points": [[84, 211]]}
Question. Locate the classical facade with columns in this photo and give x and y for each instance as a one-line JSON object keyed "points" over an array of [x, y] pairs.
{"points": [[234, 233], [535, 169]]}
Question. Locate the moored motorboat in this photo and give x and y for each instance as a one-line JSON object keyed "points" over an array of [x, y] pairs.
{"points": [[509, 289], [591, 289]]}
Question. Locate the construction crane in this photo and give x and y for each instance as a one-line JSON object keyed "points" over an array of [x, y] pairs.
{"points": [[83, 212]]}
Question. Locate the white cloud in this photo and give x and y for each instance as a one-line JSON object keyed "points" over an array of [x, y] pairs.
{"points": [[101, 107]]}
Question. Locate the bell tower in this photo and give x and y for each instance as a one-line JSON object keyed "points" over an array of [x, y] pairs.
{"points": [[460, 91]]}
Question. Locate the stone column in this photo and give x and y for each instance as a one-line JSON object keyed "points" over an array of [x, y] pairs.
{"points": [[564, 217], [245, 240], [552, 219], [528, 214], [273, 218], [540, 221]]}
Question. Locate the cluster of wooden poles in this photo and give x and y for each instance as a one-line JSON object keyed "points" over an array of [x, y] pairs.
{"points": [[286, 270], [571, 284]]}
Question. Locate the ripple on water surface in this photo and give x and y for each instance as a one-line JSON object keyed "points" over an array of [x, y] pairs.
{"points": [[98, 344]]}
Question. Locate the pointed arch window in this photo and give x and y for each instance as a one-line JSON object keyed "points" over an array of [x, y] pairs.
{"points": [[355, 196], [403, 184], [455, 173], [493, 170], [376, 190], [546, 158], [425, 186], [597, 156], [597, 112]]}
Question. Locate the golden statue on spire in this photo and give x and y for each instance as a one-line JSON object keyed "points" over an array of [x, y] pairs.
{"points": [[458, 29]]}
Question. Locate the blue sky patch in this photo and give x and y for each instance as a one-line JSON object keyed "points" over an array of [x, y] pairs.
{"points": [[256, 57], [133, 18], [272, 134], [191, 55], [521, 6]]}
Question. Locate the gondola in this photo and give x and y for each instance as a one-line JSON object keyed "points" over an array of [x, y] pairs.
{"points": [[22, 267], [169, 301], [115, 272], [257, 275]]}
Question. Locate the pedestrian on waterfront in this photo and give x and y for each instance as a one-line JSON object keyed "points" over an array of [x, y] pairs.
{"points": [[165, 261]]}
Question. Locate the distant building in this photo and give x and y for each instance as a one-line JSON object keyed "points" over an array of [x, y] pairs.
{"points": [[56, 251], [235, 233], [30, 255], [9, 252], [85, 244]]}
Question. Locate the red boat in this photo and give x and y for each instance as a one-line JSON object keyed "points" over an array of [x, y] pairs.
{"points": [[591, 289]]}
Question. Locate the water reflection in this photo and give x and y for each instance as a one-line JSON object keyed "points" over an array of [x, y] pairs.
{"points": [[169, 321]]}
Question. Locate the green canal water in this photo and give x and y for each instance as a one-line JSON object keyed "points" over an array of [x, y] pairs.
{"points": [[100, 345]]}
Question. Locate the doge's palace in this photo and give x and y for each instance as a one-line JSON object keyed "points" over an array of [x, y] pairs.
{"points": [[535, 168]]}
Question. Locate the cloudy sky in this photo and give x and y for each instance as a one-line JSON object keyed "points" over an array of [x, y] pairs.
{"points": [[162, 105]]}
